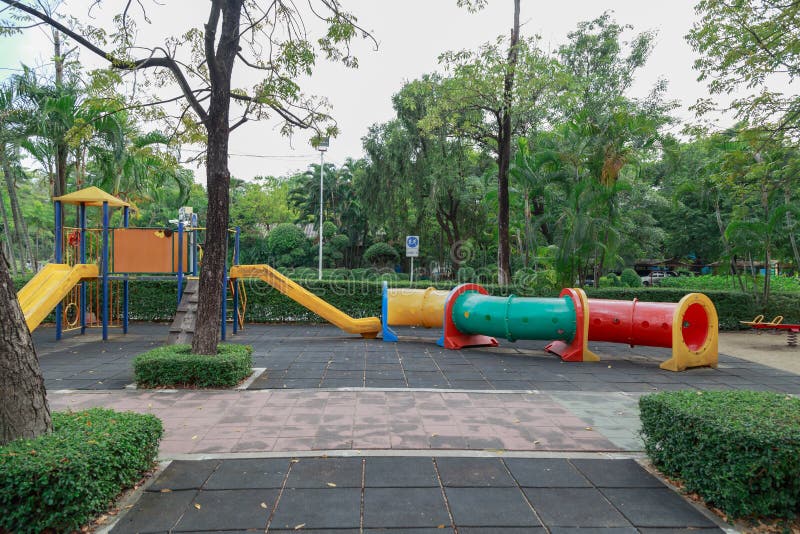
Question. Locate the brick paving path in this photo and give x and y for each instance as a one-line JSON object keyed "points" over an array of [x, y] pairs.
{"points": [[301, 420]]}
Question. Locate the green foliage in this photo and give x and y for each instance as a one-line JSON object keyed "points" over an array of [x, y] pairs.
{"points": [[785, 284], [465, 274], [742, 46], [381, 255], [630, 278], [288, 245], [611, 280], [175, 365], [740, 450], [60, 480]]}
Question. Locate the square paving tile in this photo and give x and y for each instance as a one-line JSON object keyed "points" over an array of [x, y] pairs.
{"points": [[546, 473], [318, 508], [656, 507], [404, 507], [228, 509], [181, 474], [501, 530], [473, 472], [485, 507], [574, 507], [617, 474], [247, 474], [400, 473], [155, 512], [445, 530], [323, 472], [594, 530]]}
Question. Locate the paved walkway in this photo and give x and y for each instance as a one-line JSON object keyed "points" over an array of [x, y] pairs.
{"points": [[346, 435], [301, 420], [411, 495]]}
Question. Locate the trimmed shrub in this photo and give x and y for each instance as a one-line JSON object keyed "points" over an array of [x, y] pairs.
{"points": [[288, 244], [61, 480], [739, 450], [381, 254], [630, 278], [176, 366]]}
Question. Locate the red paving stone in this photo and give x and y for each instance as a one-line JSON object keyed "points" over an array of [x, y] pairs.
{"points": [[299, 420]]}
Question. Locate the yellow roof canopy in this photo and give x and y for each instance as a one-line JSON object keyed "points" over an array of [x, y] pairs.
{"points": [[91, 196]]}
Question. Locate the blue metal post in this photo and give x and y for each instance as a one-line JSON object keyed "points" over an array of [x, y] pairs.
{"points": [[180, 261], [82, 223], [105, 270], [224, 325], [236, 283], [58, 258], [125, 311]]}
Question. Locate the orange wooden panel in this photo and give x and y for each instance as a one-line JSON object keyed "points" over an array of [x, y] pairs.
{"points": [[144, 250]]}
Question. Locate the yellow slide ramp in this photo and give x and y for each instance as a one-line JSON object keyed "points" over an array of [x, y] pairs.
{"points": [[367, 327], [49, 287]]}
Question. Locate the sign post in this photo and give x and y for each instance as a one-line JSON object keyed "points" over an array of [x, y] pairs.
{"points": [[412, 251]]}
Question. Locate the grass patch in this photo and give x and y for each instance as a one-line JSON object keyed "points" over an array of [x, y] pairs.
{"points": [[61, 480], [176, 366], [738, 450]]}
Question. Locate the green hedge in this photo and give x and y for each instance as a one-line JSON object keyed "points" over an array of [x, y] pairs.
{"points": [[175, 365], [739, 450], [61, 480], [358, 293]]}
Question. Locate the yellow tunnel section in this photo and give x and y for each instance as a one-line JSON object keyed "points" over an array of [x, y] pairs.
{"points": [[411, 307]]}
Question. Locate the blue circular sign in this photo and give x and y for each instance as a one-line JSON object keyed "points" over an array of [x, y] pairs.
{"points": [[412, 241]]}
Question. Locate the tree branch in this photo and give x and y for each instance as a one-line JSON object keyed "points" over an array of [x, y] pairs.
{"points": [[122, 64]]}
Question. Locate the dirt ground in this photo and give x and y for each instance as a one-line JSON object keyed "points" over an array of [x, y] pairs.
{"points": [[768, 348]]}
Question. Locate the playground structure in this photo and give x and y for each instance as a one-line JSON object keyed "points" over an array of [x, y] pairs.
{"points": [[778, 325], [471, 317], [88, 286]]}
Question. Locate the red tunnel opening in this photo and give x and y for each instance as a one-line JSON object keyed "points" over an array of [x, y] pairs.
{"points": [[694, 327]]}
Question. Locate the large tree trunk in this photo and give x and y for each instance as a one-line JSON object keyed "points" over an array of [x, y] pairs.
{"points": [[6, 233], [20, 228], [218, 178], [24, 412], [504, 159]]}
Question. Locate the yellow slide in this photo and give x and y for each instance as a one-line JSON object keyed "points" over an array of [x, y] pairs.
{"points": [[50, 285], [368, 327]]}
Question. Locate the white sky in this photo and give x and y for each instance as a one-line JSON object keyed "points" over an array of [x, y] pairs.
{"points": [[412, 34]]}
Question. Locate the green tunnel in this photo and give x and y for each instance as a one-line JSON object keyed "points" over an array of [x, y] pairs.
{"points": [[515, 318]]}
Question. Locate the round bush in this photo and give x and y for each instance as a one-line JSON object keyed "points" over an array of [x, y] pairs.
{"points": [[381, 255], [630, 278], [286, 239]]}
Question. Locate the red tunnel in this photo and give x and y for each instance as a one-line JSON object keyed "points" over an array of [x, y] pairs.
{"points": [[645, 323]]}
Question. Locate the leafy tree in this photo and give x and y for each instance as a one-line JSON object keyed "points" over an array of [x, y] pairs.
{"points": [[489, 97], [260, 204], [747, 45], [272, 39]]}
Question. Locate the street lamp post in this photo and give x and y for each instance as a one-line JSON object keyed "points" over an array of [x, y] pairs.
{"points": [[324, 142]]}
